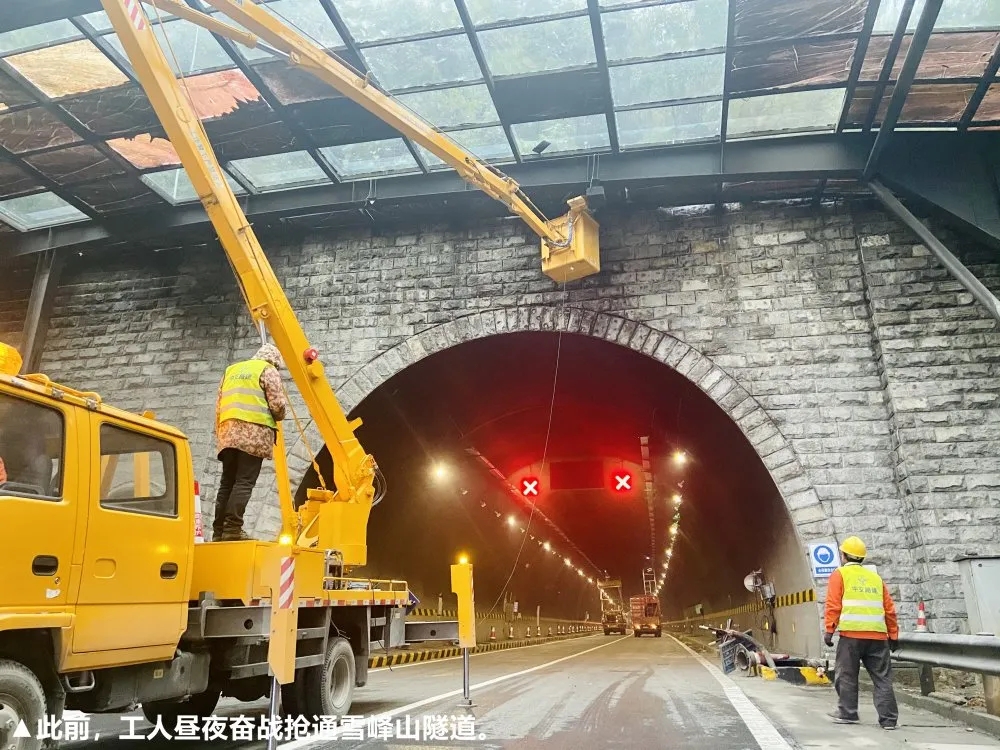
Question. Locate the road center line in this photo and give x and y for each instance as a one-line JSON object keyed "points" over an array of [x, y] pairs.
{"points": [[310, 741], [763, 731]]}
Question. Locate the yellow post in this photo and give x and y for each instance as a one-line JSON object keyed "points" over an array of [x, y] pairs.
{"points": [[461, 585], [284, 612], [288, 525], [140, 475]]}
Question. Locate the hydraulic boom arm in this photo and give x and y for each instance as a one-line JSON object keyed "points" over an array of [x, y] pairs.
{"points": [[343, 515], [568, 243]]}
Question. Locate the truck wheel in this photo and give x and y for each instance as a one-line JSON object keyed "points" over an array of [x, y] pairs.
{"points": [[201, 705], [329, 691], [21, 699]]}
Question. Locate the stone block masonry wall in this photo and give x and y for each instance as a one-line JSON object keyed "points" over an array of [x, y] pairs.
{"points": [[941, 356], [15, 288], [878, 384]]}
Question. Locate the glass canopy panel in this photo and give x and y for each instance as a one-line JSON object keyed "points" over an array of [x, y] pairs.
{"points": [[279, 171], [932, 103], [308, 18], [113, 112], [955, 14], [291, 84], [989, 109], [798, 111], [11, 94], [32, 129], [75, 164], [100, 22], [68, 69], [667, 80], [493, 11], [376, 20], [370, 159], [774, 20], [14, 181], [789, 66], [174, 185], [34, 36], [490, 144], [116, 194], [656, 30], [453, 107], [38, 211], [539, 47], [587, 133], [446, 59], [661, 126], [188, 48]]}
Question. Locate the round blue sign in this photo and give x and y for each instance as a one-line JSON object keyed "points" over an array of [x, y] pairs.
{"points": [[823, 555]]}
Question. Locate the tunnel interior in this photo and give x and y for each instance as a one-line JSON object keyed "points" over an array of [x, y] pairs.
{"points": [[568, 411]]}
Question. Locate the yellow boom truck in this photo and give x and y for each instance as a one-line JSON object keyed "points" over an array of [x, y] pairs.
{"points": [[106, 600]]}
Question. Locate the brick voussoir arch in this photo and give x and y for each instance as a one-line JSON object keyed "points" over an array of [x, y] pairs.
{"points": [[776, 452]]}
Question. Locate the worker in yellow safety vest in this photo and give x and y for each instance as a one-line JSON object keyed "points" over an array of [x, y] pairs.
{"points": [[858, 604], [251, 402]]}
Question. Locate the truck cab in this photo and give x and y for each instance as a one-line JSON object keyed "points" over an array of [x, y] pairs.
{"points": [[614, 622]]}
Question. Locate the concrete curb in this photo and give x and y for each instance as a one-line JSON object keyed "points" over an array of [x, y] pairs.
{"points": [[983, 721], [411, 657]]}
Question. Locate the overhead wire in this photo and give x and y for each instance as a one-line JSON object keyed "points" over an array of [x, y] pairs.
{"points": [[545, 451]]}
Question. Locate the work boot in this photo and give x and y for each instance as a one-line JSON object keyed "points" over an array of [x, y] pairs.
{"points": [[236, 536], [838, 719]]}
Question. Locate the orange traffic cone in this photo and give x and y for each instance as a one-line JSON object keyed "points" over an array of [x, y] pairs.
{"points": [[538, 631], [510, 633], [550, 632], [493, 633], [921, 618]]}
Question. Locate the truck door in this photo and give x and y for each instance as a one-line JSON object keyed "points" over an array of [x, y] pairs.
{"points": [[41, 493], [133, 590]]}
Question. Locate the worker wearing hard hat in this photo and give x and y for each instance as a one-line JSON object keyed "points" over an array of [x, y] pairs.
{"points": [[859, 605], [251, 402]]}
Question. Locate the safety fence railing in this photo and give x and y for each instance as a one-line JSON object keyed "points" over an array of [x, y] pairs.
{"points": [[979, 654]]}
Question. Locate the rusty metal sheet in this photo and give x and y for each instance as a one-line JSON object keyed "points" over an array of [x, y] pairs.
{"points": [[948, 55], [989, 108], [33, 129], [75, 164], [146, 151], [773, 20], [292, 85], [14, 180], [116, 194], [68, 69], [800, 64], [925, 103]]}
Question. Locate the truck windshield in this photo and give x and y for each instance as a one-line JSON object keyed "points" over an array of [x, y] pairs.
{"points": [[31, 447]]}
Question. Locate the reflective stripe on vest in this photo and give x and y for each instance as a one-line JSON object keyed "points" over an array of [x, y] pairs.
{"points": [[242, 396], [862, 604]]}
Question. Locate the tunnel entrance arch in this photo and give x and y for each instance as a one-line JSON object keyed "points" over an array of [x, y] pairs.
{"points": [[807, 518], [775, 451]]}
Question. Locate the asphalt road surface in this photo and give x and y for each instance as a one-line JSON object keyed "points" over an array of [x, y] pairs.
{"points": [[593, 692]]}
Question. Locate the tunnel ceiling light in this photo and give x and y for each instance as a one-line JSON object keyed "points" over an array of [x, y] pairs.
{"points": [[673, 529], [439, 471], [511, 521], [589, 579], [677, 498], [680, 458], [547, 547], [569, 563]]}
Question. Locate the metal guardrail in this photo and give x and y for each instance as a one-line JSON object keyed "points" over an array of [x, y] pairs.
{"points": [[967, 653]]}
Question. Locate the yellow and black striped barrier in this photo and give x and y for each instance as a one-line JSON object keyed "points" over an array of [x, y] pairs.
{"points": [[785, 600], [411, 657]]}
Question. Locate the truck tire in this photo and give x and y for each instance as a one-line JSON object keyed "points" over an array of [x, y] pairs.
{"points": [[329, 690], [21, 699], [201, 705]]}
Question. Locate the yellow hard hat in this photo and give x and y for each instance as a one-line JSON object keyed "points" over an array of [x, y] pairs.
{"points": [[10, 360], [854, 547]]}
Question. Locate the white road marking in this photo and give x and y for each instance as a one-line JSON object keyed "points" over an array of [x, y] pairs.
{"points": [[763, 731], [310, 741]]}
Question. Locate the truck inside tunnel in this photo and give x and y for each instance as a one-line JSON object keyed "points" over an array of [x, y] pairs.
{"points": [[563, 415]]}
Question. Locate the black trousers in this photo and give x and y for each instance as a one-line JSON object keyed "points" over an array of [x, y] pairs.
{"points": [[875, 655], [239, 475]]}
